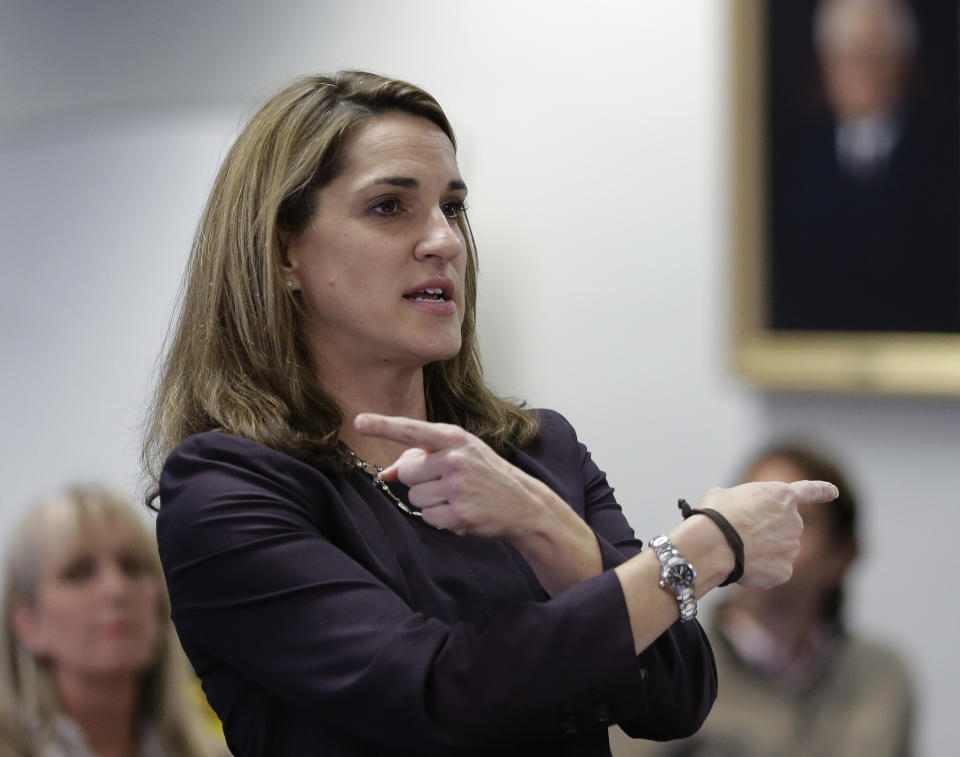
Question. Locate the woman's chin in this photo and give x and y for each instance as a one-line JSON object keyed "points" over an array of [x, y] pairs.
{"points": [[440, 350]]}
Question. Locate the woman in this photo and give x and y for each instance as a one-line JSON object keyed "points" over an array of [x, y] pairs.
{"points": [[89, 665], [367, 551]]}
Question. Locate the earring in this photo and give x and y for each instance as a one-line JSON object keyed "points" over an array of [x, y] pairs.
{"points": [[289, 284]]}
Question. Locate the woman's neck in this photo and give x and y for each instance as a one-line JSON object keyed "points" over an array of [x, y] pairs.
{"points": [[386, 390], [105, 709]]}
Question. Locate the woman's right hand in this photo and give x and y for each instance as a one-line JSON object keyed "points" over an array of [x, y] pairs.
{"points": [[765, 515]]}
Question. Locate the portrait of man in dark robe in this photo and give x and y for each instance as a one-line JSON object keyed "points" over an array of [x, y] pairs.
{"points": [[864, 166]]}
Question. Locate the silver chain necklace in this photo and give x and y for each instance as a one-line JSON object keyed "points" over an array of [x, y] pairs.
{"points": [[373, 470]]}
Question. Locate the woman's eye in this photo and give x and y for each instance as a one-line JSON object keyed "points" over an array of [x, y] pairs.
{"points": [[388, 207], [133, 566], [78, 571], [454, 208]]}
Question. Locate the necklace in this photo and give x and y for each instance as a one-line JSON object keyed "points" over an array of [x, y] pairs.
{"points": [[373, 470]]}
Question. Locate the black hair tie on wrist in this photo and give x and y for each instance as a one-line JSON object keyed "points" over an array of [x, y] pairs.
{"points": [[729, 533]]}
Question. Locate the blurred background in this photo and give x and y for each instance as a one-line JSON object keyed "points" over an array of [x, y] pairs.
{"points": [[595, 141]]}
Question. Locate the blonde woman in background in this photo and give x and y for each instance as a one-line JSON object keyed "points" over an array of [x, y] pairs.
{"points": [[89, 665]]}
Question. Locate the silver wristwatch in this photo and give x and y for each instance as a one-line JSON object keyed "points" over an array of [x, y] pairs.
{"points": [[677, 576]]}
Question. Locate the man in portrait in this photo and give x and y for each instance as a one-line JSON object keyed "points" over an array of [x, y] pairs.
{"points": [[865, 223]]}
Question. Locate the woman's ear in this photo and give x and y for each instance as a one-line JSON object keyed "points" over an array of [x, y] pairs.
{"points": [[289, 259], [26, 626]]}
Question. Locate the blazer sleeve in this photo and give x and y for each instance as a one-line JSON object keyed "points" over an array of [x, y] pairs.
{"points": [[679, 666], [567, 466], [256, 585]]}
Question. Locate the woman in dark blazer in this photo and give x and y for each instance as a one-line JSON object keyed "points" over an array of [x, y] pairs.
{"points": [[367, 551]]}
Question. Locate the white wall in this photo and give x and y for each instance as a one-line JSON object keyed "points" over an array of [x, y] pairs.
{"points": [[594, 137]]}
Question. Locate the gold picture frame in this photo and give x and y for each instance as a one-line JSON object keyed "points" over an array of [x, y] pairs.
{"points": [[817, 361]]}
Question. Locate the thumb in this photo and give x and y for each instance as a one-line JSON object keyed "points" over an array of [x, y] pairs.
{"points": [[392, 471]]}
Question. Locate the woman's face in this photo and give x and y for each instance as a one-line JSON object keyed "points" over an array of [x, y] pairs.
{"points": [[97, 607], [380, 266]]}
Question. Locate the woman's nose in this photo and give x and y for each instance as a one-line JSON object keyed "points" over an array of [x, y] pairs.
{"points": [[441, 238], [114, 582]]}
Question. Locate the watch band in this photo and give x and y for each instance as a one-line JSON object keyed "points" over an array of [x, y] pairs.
{"points": [[677, 575]]}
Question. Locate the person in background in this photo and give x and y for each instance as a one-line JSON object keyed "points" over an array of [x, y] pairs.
{"points": [[89, 664], [793, 680]]}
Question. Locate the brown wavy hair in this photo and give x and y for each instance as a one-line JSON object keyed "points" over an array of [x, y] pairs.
{"points": [[237, 357]]}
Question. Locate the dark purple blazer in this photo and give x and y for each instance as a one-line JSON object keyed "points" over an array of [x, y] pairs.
{"points": [[324, 621]]}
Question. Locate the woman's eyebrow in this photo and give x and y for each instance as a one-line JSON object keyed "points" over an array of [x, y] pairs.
{"points": [[394, 181], [407, 182]]}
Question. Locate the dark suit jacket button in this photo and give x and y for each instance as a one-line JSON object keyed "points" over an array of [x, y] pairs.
{"points": [[601, 713], [569, 724]]}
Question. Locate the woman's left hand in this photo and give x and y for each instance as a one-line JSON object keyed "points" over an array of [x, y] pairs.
{"points": [[462, 485]]}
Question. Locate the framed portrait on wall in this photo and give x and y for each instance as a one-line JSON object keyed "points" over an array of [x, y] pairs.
{"points": [[847, 202]]}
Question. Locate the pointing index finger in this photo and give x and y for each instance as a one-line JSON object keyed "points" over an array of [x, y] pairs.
{"points": [[413, 433], [816, 491]]}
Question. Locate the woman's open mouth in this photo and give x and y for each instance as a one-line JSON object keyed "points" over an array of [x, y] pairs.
{"points": [[427, 295]]}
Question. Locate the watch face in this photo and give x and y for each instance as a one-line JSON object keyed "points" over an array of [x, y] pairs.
{"points": [[681, 576]]}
